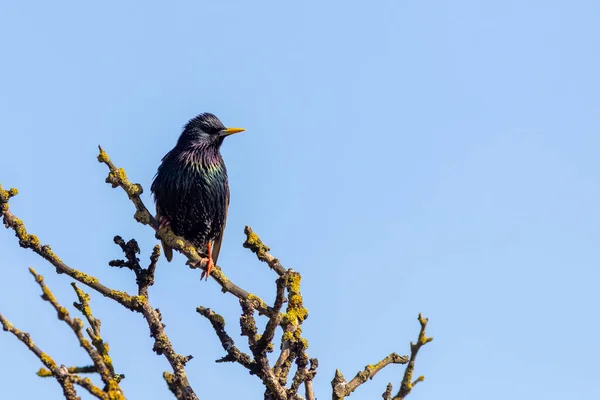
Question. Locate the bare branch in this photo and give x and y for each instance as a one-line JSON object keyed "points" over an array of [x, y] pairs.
{"points": [[274, 320], [387, 395], [312, 372]]}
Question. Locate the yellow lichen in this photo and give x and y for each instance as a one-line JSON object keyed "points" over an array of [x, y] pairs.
{"points": [[107, 360], [295, 300], [121, 175], [254, 243], [168, 377], [124, 298], [293, 282], [78, 323], [218, 319], [47, 360], [44, 373], [256, 301], [48, 254], [295, 316], [138, 301], [304, 343], [34, 241], [103, 157], [288, 336], [142, 217], [84, 278]]}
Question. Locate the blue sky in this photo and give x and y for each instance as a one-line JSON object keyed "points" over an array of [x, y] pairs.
{"points": [[405, 156]]}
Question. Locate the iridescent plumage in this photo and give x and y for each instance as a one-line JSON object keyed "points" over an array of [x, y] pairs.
{"points": [[191, 188]]}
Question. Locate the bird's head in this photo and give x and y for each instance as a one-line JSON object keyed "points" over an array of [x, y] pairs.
{"points": [[206, 130]]}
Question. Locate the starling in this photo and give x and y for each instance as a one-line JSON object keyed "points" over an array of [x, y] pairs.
{"points": [[191, 190]]}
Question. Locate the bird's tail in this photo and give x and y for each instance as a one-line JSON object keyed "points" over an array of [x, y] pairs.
{"points": [[168, 251]]}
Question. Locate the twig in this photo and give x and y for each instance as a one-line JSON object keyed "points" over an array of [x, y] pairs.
{"points": [[308, 388], [264, 370], [118, 177], [98, 352], [60, 373], [274, 320], [387, 395], [101, 358], [177, 382], [256, 245], [407, 383], [341, 388], [88, 369], [233, 353], [88, 385]]}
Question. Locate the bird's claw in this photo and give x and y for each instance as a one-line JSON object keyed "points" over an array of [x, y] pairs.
{"points": [[163, 221], [209, 267]]}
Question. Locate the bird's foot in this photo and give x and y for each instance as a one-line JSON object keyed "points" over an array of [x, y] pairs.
{"points": [[209, 265], [163, 221]]}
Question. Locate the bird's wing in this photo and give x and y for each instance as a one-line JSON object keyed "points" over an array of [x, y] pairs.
{"points": [[216, 248]]}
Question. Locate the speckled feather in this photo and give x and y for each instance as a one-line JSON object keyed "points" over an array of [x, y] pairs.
{"points": [[191, 187]]}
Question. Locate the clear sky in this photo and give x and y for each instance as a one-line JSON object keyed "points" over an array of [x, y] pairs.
{"points": [[405, 156]]}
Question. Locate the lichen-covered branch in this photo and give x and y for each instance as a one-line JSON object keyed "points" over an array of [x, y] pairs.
{"points": [[139, 303], [256, 245], [177, 381], [60, 373], [87, 369], [407, 383], [293, 368], [341, 388], [97, 350], [118, 177], [274, 320], [264, 370], [233, 353], [293, 345], [30, 241]]}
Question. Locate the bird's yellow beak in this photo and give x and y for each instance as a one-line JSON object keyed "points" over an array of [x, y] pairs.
{"points": [[231, 131]]}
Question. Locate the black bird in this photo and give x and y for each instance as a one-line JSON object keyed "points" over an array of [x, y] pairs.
{"points": [[191, 190]]}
